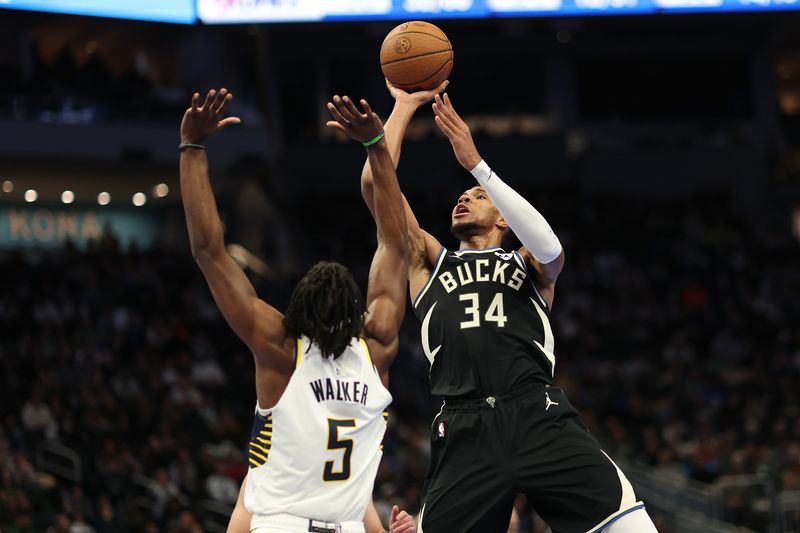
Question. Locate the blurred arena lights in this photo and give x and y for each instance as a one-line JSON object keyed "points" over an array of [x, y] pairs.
{"points": [[161, 190], [139, 199], [103, 198], [31, 195], [67, 197], [8, 186]]}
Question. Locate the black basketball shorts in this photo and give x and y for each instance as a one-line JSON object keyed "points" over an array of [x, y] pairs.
{"points": [[531, 441]]}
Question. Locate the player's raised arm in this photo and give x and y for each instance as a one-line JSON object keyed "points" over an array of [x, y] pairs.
{"points": [[405, 105], [542, 248], [387, 276], [259, 325]]}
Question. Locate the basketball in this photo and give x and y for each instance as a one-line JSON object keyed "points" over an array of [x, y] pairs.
{"points": [[416, 56]]}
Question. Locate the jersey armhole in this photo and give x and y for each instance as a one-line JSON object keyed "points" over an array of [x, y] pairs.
{"points": [[434, 271], [524, 264], [366, 351], [520, 260], [261, 412]]}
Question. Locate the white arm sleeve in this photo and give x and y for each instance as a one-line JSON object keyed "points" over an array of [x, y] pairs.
{"points": [[528, 224]]}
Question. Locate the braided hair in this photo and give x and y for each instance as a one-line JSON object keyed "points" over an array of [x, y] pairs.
{"points": [[327, 307]]}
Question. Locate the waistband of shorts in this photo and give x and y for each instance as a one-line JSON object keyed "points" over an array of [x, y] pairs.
{"points": [[297, 523], [495, 400]]}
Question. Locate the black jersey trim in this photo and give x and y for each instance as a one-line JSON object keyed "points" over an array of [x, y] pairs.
{"points": [[439, 261]]}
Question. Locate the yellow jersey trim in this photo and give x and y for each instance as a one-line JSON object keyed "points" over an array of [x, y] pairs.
{"points": [[258, 455], [259, 447], [299, 353], [260, 443], [366, 348]]}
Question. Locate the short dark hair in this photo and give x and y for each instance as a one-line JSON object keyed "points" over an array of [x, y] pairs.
{"points": [[327, 307]]}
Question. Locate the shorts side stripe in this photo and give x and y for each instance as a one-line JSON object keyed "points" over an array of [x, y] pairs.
{"points": [[614, 517], [627, 501], [628, 497]]}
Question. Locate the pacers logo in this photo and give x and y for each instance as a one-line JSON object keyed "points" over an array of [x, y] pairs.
{"points": [[402, 45]]}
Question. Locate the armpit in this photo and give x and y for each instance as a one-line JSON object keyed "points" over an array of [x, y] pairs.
{"points": [[418, 258]]}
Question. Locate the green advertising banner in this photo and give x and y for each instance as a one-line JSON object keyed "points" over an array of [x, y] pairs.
{"points": [[49, 228]]}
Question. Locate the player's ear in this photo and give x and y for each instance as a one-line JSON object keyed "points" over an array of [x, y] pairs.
{"points": [[501, 222]]}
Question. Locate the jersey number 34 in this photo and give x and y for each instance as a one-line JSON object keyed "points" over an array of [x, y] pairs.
{"points": [[494, 313]]}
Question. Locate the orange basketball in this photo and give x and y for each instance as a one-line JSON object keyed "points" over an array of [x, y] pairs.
{"points": [[416, 56]]}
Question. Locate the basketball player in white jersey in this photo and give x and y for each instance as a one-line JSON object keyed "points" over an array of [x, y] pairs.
{"points": [[322, 369]]}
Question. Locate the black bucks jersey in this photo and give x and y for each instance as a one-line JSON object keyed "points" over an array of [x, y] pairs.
{"points": [[485, 328]]}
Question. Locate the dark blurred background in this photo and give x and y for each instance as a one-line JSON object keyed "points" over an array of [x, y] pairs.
{"points": [[663, 150]]}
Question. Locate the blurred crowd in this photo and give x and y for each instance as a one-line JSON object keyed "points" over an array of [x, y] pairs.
{"points": [[123, 361], [126, 400], [679, 331], [81, 89]]}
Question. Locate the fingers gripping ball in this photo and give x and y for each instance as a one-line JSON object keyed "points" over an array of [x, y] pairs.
{"points": [[416, 56]]}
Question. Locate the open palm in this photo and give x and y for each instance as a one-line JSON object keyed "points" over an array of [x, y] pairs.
{"points": [[201, 121]]}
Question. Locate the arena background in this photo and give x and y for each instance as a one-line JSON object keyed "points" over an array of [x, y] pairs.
{"points": [[663, 149]]}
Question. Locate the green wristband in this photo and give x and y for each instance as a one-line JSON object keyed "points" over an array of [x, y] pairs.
{"points": [[375, 139]]}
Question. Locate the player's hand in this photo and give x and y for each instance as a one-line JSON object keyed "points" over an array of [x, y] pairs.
{"points": [[401, 522], [201, 121], [360, 126], [418, 98], [456, 131]]}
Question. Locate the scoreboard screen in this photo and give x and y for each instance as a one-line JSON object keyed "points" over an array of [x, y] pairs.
{"points": [[177, 11], [265, 11], [247, 11]]}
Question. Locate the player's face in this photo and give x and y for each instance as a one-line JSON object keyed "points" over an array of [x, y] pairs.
{"points": [[474, 208]]}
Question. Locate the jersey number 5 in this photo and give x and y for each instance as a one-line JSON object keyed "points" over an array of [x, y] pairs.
{"points": [[495, 313], [335, 443]]}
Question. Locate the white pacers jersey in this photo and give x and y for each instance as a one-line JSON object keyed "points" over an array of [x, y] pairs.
{"points": [[316, 453]]}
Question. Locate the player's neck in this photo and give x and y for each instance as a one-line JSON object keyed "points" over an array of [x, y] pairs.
{"points": [[479, 242]]}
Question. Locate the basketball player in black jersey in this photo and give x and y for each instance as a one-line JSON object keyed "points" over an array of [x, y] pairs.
{"points": [[485, 311]]}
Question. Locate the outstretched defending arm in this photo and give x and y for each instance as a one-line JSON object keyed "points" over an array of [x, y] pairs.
{"points": [[258, 324], [423, 246], [387, 275], [542, 248]]}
